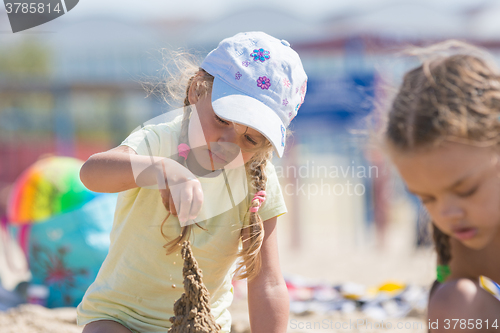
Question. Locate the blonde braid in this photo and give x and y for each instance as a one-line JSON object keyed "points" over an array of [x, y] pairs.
{"points": [[203, 83], [252, 236]]}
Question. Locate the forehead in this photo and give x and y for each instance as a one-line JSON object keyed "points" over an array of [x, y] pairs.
{"points": [[439, 167]]}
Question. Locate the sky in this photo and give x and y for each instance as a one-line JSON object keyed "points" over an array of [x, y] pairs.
{"points": [[211, 9], [224, 15]]}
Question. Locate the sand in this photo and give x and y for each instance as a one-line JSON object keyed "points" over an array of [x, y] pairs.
{"points": [[37, 319], [29, 318], [399, 260], [192, 309]]}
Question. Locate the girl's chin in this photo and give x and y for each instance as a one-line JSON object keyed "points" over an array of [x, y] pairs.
{"points": [[209, 165], [475, 243]]}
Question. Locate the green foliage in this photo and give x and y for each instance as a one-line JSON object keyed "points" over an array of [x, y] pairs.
{"points": [[29, 58]]}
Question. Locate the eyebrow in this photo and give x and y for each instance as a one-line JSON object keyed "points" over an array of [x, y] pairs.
{"points": [[455, 184], [256, 138]]}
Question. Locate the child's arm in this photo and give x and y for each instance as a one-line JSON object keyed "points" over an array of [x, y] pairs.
{"points": [[112, 171], [268, 301]]}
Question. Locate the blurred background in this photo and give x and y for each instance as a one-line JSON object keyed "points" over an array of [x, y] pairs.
{"points": [[72, 88]]}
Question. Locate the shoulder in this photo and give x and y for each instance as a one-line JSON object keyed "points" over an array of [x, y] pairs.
{"points": [[161, 128], [458, 298], [271, 169], [155, 138]]}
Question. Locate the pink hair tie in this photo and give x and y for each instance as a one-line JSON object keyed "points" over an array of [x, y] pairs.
{"points": [[183, 150], [261, 196]]}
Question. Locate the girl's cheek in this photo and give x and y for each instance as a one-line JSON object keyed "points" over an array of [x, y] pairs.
{"points": [[195, 132], [247, 156]]}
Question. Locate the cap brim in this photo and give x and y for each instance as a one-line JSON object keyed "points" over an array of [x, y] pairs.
{"points": [[231, 104]]}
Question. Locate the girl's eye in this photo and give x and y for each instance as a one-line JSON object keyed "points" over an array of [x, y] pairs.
{"points": [[468, 193], [221, 121], [252, 141], [426, 201]]}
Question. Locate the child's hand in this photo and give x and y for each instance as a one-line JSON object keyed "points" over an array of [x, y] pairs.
{"points": [[180, 191]]}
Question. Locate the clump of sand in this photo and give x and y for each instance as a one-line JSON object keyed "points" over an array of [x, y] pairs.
{"points": [[192, 309]]}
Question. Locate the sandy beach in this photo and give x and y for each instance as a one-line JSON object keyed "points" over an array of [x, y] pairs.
{"points": [[36, 319]]}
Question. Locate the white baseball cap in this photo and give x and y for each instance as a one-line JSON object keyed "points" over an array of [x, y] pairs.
{"points": [[259, 82]]}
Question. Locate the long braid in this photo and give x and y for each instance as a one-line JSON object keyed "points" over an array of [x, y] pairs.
{"points": [[203, 79], [253, 235], [443, 250]]}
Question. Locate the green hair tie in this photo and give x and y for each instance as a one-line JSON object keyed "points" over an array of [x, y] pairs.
{"points": [[443, 271]]}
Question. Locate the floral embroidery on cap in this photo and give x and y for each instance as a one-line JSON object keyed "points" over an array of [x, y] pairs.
{"points": [[286, 83], [260, 54], [263, 82], [303, 88], [245, 63], [285, 102], [237, 76]]}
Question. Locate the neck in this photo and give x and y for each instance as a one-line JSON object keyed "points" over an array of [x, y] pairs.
{"points": [[473, 263]]}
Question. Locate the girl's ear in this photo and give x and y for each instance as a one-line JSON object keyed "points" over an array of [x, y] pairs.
{"points": [[193, 92]]}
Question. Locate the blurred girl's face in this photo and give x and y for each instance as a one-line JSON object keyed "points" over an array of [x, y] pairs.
{"points": [[460, 187], [218, 142]]}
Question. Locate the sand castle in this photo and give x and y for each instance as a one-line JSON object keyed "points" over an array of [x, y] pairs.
{"points": [[192, 309]]}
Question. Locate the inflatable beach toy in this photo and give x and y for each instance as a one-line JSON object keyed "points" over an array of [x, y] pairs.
{"points": [[62, 227], [49, 187]]}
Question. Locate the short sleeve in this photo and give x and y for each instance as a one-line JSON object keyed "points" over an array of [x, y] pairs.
{"points": [[145, 141], [275, 203]]}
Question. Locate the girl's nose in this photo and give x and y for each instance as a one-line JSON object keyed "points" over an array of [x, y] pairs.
{"points": [[228, 135], [227, 142], [449, 209]]}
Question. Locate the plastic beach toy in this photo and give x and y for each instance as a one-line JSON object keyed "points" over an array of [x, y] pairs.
{"points": [[49, 187]]}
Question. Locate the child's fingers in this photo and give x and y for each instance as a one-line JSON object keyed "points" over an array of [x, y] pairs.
{"points": [[186, 200], [197, 203], [168, 202], [172, 207]]}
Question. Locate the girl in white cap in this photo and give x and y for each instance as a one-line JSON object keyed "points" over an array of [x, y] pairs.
{"points": [[218, 185], [444, 136]]}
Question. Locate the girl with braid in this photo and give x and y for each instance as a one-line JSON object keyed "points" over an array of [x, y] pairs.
{"points": [[206, 176], [443, 135]]}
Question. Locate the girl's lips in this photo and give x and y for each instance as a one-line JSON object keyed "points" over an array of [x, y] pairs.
{"points": [[465, 233]]}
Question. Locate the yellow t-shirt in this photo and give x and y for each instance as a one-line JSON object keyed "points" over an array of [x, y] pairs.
{"points": [[135, 283]]}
